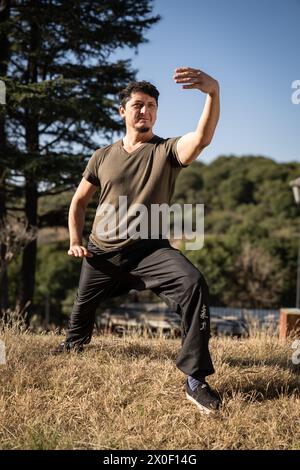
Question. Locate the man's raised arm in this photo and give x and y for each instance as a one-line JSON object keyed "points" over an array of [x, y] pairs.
{"points": [[190, 145]]}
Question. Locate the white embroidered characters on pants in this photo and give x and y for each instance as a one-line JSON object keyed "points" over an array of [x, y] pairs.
{"points": [[203, 317]]}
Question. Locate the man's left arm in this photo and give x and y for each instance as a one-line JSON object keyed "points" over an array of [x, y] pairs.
{"points": [[190, 145]]}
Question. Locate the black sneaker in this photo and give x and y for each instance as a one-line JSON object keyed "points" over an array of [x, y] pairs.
{"points": [[66, 347], [203, 397]]}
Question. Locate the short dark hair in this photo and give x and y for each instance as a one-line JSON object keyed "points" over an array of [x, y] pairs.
{"points": [[133, 87]]}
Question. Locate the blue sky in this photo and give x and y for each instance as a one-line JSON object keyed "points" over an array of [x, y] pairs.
{"points": [[251, 48]]}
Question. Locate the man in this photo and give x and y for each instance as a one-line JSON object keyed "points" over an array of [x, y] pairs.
{"points": [[141, 169]]}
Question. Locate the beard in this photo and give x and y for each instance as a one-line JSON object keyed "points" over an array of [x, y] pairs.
{"points": [[143, 130]]}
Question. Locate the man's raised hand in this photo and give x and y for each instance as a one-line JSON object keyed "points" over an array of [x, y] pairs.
{"points": [[196, 79]]}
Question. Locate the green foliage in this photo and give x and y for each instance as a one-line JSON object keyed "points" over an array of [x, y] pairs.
{"points": [[214, 261], [236, 190], [251, 229], [189, 185], [257, 279]]}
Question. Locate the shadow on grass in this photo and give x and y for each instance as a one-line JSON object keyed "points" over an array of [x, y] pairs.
{"points": [[259, 392], [283, 363], [255, 386], [136, 350]]}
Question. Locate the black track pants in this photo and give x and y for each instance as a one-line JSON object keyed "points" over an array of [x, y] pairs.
{"points": [[147, 264]]}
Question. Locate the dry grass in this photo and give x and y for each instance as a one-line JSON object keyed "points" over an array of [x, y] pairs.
{"points": [[126, 393]]}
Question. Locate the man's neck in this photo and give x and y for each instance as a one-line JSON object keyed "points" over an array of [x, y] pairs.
{"points": [[137, 138]]}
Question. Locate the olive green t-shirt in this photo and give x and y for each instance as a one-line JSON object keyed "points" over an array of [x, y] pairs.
{"points": [[126, 181]]}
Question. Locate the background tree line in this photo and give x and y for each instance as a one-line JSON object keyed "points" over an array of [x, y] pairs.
{"points": [[251, 229]]}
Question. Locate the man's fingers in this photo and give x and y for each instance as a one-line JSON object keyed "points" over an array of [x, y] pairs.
{"points": [[71, 252], [188, 80], [180, 76], [183, 69], [189, 83], [187, 70], [189, 86], [79, 252], [191, 78], [75, 252]]}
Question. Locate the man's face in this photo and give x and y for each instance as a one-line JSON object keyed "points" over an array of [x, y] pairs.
{"points": [[140, 112]]}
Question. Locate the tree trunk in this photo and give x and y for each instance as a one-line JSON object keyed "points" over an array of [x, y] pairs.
{"points": [[31, 189], [30, 250], [4, 55]]}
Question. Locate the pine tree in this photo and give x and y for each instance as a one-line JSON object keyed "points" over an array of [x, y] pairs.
{"points": [[61, 88]]}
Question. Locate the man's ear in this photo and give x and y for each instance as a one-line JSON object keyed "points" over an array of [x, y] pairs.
{"points": [[122, 111]]}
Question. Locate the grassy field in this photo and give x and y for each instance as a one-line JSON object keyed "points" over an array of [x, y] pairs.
{"points": [[126, 393]]}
